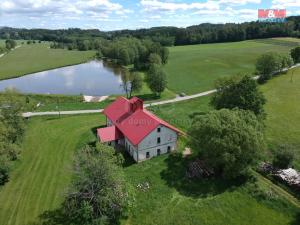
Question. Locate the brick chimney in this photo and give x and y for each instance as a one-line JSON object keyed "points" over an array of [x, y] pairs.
{"points": [[136, 104]]}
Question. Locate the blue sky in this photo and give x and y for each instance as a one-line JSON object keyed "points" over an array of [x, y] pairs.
{"points": [[133, 14]]}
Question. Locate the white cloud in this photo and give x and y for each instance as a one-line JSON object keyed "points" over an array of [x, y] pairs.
{"points": [[41, 8], [157, 5], [281, 4], [239, 2]]}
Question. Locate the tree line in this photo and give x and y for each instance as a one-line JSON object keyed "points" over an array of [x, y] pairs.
{"points": [[11, 131], [166, 36]]}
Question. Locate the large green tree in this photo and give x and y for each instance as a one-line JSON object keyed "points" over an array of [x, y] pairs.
{"points": [[131, 82], [10, 44], [154, 59], [11, 130], [295, 53], [156, 79], [98, 194], [236, 92], [266, 66], [230, 141]]}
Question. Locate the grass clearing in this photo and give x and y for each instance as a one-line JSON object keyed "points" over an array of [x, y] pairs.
{"points": [[39, 57], [192, 69]]}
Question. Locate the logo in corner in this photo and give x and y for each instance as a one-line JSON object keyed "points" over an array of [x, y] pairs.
{"points": [[272, 15]]}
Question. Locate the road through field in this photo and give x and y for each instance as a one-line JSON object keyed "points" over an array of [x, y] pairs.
{"points": [[177, 99]]}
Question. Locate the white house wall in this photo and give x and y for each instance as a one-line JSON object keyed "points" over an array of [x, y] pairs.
{"points": [[131, 149], [168, 139]]}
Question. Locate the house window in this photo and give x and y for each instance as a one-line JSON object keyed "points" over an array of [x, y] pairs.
{"points": [[158, 151], [158, 140], [169, 149], [147, 155], [158, 130]]}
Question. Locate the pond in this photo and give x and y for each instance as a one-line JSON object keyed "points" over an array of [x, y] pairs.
{"points": [[95, 78]]}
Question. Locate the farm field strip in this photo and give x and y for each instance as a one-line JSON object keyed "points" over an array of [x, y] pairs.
{"points": [[195, 68]]}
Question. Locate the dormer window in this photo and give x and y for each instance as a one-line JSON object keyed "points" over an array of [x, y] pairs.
{"points": [[158, 130]]}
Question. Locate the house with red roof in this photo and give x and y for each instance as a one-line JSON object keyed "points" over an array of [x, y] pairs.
{"points": [[142, 134]]}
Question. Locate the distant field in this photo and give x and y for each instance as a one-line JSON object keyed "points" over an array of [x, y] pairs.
{"points": [[283, 111], [194, 68], [38, 57]]}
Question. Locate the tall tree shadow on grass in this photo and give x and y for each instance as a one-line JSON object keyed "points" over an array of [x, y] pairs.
{"points": [[148, 97], [175, 176]]}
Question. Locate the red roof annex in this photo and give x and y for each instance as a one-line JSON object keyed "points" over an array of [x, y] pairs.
{"points": [[108, 134], [132, 120]]}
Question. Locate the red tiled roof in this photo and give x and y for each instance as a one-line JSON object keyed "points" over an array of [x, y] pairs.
{"points": [[118, 109], [135, 125], [109, 134]]}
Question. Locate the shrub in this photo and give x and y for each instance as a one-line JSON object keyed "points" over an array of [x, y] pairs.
{"points": [[284, 157], [4, 170], [295, 53]]}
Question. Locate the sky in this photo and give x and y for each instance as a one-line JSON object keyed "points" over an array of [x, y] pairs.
{"points": [[109, 15]]}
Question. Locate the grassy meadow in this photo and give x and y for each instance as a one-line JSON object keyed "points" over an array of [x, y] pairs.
{"points": [[39, 57], [194, 68], [171, 199], [283, 111], [42, 174]]}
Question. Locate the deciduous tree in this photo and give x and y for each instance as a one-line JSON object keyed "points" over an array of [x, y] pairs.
{"points": [[237, 92], [230, 141], [156, 79]]}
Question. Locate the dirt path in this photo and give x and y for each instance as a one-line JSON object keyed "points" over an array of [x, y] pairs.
{"points": [[11, 50]]}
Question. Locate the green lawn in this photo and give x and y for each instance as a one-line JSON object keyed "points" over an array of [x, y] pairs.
{"points": [[180, 114], [42, 173], [39, 57], [283, 111], [171, 199], [194, 68]]}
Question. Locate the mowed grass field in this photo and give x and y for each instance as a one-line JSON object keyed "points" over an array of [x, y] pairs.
{"points": [[283, 111], [195, 68], [41, 175], [43, 172], [39, 57]]}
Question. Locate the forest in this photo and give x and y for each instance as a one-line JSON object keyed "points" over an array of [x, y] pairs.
{"points": [[166, 36]]}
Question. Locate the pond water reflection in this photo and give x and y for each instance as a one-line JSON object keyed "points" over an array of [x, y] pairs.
{"points": [[92, 78]]}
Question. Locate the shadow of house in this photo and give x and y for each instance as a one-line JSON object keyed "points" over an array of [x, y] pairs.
{"points": [[175, 176]]}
